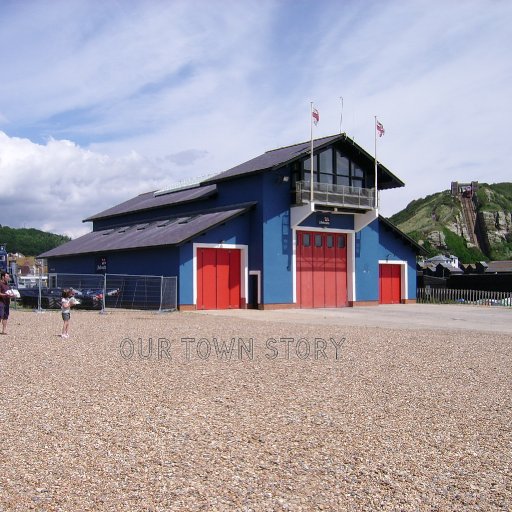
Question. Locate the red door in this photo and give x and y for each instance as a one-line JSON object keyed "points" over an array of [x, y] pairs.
{"points": [[340, 242], [218, 278], [321, 270], [390, 283]]}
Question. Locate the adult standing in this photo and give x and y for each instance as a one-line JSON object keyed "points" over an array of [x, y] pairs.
{"points": [[5, 299]]}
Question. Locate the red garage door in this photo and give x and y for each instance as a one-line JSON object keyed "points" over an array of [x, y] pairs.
{"points": [[390, 284], [218, 278], [321, 270]]}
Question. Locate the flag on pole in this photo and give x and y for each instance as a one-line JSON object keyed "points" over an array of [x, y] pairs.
{"points": [[316, 116], [380, 129]]}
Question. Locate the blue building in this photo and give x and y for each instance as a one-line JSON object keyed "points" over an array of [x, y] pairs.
{"points": [[260, 235], [3, 258]]}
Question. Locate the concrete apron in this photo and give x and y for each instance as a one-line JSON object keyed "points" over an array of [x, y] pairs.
{"points": [[396, 316]]}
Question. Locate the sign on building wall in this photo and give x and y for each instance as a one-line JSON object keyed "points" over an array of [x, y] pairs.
{"points": [[323, 219], [101, 265]]}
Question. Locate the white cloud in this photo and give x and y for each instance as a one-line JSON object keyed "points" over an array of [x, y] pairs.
{"points": [[53, 186]]}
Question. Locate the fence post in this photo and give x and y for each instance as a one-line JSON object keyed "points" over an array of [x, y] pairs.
{"points": [[39, 300], [161, 293], [103, 311]]}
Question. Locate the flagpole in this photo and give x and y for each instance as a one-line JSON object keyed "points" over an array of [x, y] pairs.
{"points": [[311, 195], [375, 135]]}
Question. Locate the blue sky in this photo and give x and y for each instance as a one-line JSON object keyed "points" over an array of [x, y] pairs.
{"points": [[101, 101]]}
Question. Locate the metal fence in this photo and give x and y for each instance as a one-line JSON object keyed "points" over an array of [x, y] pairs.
{"points": [[450, 296], [108, 291]]}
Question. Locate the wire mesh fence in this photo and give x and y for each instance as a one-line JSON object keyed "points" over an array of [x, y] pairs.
{"points": [[102, 292], [450, 296]]}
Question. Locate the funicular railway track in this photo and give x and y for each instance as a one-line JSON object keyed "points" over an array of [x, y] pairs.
{"points": [[468, 210]]}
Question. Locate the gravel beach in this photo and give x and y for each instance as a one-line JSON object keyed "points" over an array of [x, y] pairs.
{"points": [[302, 416]]}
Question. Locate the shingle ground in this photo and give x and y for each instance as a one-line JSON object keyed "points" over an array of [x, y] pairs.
{"points": [[399, 420]]}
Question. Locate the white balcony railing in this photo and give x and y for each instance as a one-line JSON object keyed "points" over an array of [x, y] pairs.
{"points": [[336, 195]]}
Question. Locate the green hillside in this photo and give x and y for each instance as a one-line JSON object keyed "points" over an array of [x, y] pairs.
{"points": [[437, 223], [495, 197], [30, 241]]}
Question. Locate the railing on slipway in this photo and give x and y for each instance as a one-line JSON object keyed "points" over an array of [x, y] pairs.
{"points": [[451, 296], [106, 291]]}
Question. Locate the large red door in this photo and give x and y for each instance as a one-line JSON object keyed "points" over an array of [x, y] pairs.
{"points": [[321, 270], [218, 278], [389, 283]]}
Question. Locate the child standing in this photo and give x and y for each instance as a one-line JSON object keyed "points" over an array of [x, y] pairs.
{"points": [[67, 303], [5, 300]]}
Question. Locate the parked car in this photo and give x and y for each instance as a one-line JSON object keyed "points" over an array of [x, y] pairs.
{"points": [[51, 297]]}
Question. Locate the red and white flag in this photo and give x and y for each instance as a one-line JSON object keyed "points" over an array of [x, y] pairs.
{"points": [[316, 116], [380, 129]]}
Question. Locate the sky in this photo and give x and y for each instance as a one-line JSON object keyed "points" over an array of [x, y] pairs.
{"points": [[102, 101]]}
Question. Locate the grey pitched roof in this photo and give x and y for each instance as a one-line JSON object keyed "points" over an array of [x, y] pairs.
{"points": [[149, 201], [272, 158], [499, 266], [447, 266], [150, 234], [278, 157], [269, 160], [440, 258]]}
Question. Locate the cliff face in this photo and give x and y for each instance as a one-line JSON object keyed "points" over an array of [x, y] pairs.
{"points": [[442, 223], [496, 228], [495, 219]]}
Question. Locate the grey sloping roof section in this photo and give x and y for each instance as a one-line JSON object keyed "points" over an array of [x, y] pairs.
{"points": [[499, 266], [149, 201], [152, 234], [272, 159], [281, 156]]}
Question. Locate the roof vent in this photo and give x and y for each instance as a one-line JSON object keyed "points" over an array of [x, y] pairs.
{"points": [[185, 220], [166, 223]]}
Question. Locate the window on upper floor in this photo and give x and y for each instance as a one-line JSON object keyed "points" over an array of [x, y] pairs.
{"points": [[334, 167]]}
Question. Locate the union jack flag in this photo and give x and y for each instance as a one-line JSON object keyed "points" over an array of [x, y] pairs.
{"points": [[316, 116], [380, 129]]}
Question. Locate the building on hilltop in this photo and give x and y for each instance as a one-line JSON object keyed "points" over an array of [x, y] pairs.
{"points": [[258, 235], [464, 189]]}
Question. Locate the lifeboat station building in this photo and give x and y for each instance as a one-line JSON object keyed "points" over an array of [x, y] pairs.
{"points": [[258, 235]]}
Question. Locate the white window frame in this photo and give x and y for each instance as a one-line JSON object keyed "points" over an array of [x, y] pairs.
{"points": [[404, 288], [351, 258]]}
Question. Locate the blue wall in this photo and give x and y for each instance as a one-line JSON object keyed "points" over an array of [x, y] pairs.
{"points": [[277, 278], [156, 261], [374, 243]]}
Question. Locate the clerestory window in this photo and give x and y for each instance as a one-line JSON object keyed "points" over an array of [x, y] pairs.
{"points": [[334, 167]]}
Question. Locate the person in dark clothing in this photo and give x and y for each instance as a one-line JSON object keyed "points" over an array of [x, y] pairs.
{"points": [[5, 300]]}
